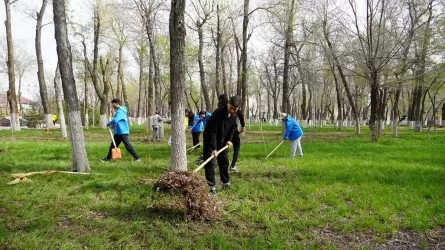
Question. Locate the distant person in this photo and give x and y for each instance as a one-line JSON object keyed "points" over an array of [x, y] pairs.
{"points": [[293, 133], [198, 128], [54, 118], [218, 133], [156, 123], [121, 130]]}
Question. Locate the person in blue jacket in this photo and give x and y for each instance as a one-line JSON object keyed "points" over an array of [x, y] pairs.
{"points": [[293, 133], [198, 128], [121, 130]]}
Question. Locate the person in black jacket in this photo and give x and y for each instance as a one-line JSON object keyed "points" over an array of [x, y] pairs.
{"points": [[217, 134], [240, 127]]}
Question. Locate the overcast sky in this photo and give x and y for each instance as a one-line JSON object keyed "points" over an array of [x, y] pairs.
{"points": [[23, 32]]}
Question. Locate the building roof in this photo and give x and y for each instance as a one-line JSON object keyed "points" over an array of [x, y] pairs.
{"points": [[25, 100]]}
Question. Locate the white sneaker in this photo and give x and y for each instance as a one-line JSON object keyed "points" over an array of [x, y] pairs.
{"points": [[233, 170]]}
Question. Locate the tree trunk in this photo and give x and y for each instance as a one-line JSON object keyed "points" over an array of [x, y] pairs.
{"points": [[150, 100], [244, 57], [141, 55], [339, 99], [287, 46], [374, 116], [218, 52], [204, 89], [223, 69], [85, 79], [177, 82], [119, 72], [104, 96], [59, 100], [443, 114], [420, 64], [11, 95], [78, 151], [40, 68]]}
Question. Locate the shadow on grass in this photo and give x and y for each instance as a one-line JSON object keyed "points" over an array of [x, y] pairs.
{"points": [[139, 211]]}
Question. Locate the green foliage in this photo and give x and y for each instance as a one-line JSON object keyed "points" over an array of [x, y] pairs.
{"points": [[33, 119], [343, 185]]}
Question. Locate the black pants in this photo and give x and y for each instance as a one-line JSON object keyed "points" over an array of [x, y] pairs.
{"points": [[122, 138], [223, 163], [195, 137], [236, 141]]}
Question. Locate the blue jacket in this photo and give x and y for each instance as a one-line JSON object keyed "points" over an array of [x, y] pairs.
{"points": [[293, 130], [120, 122], [199, 126]]}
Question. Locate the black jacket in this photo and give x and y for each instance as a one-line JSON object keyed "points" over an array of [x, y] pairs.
{"points": [[219, 130], [239, 113]]}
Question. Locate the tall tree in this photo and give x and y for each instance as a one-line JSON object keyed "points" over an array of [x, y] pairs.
{"points": [[148, 10], [102, 92], [11, 95], [78, 151], [378, 43], [336, 61], [287, 50], [40, 68], [177, 42], [421, 52], [204, 10]]}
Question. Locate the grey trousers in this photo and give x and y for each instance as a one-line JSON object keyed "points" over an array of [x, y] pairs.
{"points": [[295, 146]]}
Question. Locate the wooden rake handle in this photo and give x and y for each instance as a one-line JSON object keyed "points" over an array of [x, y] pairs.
{"points": [[274, 149], [210, 158], [112, 137], [194, 146]]}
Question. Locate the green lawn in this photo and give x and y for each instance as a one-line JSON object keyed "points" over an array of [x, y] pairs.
{"points": [[344, 193]]}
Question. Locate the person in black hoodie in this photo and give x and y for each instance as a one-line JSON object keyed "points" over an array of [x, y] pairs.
{"points": [[217, 134], [240, 127]]}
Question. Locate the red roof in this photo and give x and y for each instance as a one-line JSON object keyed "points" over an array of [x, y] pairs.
{"points": [[3, 100]]}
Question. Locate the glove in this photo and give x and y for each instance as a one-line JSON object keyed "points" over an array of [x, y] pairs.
{"points": [[229, 143], [215, 153], [286, 138]]}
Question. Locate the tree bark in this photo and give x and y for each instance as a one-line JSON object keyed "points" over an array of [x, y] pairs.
{"points": [[287, 46], [244, 86], [218, 52], [119, 72], [420, 64], [11, 95], [78, 151], [177, 43], [141, 54], [40, 68], [59, 100], [204, 89]]}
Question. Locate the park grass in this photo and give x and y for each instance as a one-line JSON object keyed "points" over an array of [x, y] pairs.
{"points": [[344, 185]]}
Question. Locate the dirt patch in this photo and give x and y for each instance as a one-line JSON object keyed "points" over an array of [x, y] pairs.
{"points": [[199, 204], [431, 239]]}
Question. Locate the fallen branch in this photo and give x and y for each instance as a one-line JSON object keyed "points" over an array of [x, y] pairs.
{"points": [[23, 177]]}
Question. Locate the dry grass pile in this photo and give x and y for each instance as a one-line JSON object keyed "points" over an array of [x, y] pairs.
{"points": [[200, 205]]}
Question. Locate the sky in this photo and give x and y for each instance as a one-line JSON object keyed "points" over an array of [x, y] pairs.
{"points": [[23, 31]]}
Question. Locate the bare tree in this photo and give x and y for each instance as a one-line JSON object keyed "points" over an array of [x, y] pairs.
{"points": [[421, 52], [78, 151], [148, 11], [11, 94], [204, 10], [40, 68], [177, 43], [287, 47]]}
